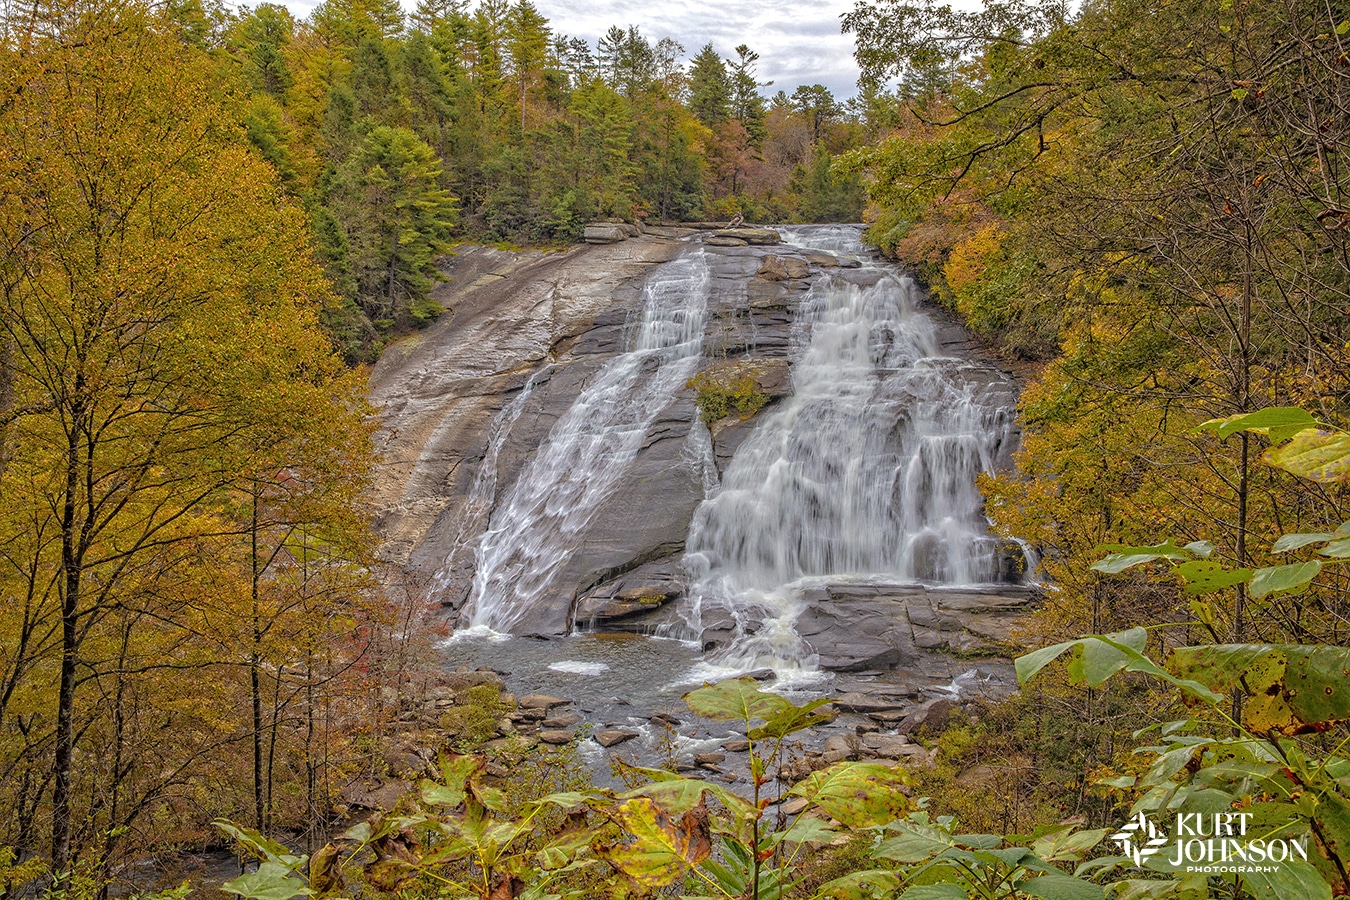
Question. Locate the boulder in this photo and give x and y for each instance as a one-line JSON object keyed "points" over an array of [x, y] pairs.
{"points": [[566, 721], [719, 240], [782, 268], [758, 236], [604, 233], [929, 716], [610, 738], [557, 736], [541, 701]]}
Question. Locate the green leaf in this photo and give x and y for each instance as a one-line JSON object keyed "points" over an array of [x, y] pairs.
{"points": [[914, 843], [736, 699], [1289, 542], [1322, 456], [1057, 886], [1291, 878], [661, 848], [1278, 422], [1204, 576], [934, 892], [1029, 664], [859, 795], [260, 846], [272, 881], [1339, 549], [792, 720], [864, 885], [1121, 556], [806, 828], [1290, 579], [1240, 93], [1294, 688]]}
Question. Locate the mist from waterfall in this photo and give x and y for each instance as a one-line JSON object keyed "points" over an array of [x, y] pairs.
{"points": [[865, 473], [541, 519]]}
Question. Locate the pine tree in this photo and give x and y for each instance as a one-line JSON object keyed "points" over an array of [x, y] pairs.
{"points": [[709, 88]]}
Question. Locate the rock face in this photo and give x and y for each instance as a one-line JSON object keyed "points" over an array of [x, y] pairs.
{"points": [[466, 405]]}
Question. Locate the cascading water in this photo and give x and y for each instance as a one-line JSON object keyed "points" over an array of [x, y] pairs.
{"points": [[540, 520], [866, 472]]}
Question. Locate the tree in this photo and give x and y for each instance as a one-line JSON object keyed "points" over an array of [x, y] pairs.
{"points": [[160, 340], [818, 105], [709, 90], [747, 106], [399, 220]]}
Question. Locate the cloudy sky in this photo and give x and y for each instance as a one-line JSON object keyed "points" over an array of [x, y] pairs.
{"points": [[797, 43]]}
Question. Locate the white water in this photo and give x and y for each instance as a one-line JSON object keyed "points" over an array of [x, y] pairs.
{"points": [[865, 473], [539, 522]]}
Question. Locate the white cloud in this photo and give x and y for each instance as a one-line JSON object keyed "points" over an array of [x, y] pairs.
{"points": [[796, 46]]}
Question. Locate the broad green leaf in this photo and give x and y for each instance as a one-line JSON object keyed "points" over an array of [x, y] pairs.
{"points": [[806, 828], [1331, 818], [913, 843], [1029, 664], [1291, 878], [934, 892], [661, 847], [1058, 886], [792, 720], [1294, 688], [1292, 578], [1121, 556], [1343, 28], [859, 795], [261, 846], [272, 881], [675, 793], [1289, 542], [1277, 422], [1205, 576], [1202, 549], [1317, 455], [979, 841], [1338, 549], [736, 699], [1130, 644], [865, 885]]}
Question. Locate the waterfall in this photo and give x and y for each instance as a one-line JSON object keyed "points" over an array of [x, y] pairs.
{"points": [[539, 522], [866, 472]]}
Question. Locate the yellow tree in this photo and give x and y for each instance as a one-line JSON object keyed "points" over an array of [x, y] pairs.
{"points": [[160, 350]]}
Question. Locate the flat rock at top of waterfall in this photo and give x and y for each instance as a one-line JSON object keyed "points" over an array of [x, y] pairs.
{"points": [[757, 236]]}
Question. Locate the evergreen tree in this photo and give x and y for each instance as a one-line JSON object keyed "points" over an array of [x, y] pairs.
{"points": [[398, 220], [709, 88], [747, 105]]}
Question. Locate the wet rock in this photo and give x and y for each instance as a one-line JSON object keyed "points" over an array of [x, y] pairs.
{"points": [[794, 806], [782, 268], [557, 736], [736, 745], [824, 260], [838, 743], [665, 719], [709, 759], [929, 716], [866, 703], [890, 746], [722, 240], [505, 727], [566, 721], [541, 701], [610, 738]]}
